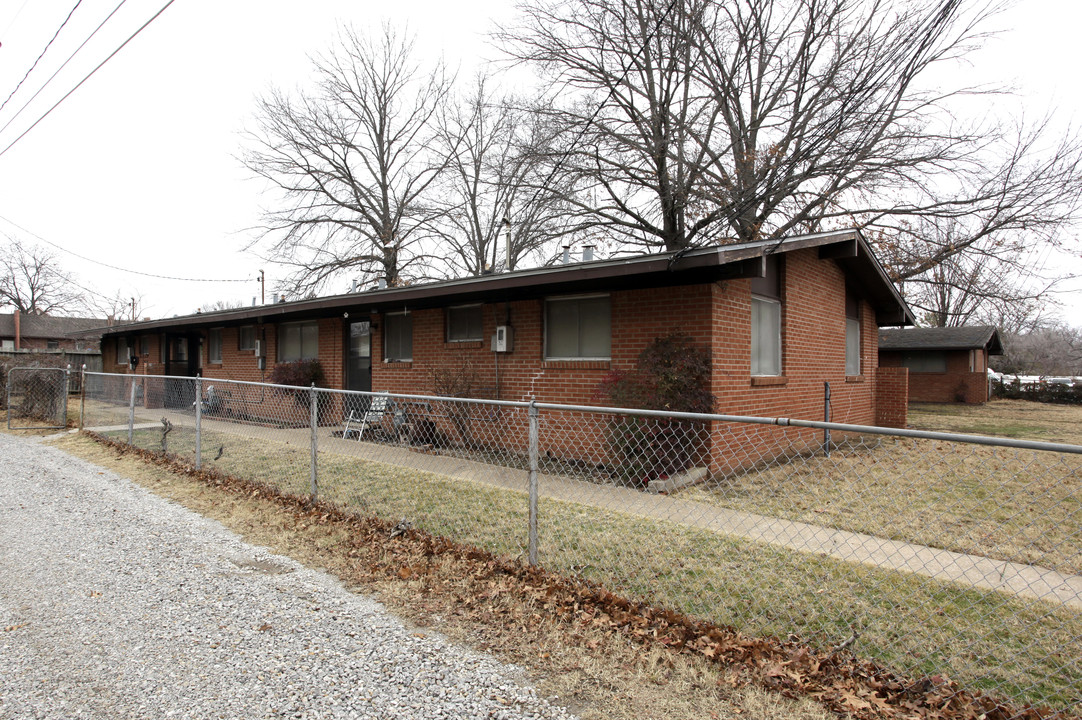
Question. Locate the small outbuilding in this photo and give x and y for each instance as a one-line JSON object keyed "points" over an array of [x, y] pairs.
{"points": [[945, 364], [22, 332]]}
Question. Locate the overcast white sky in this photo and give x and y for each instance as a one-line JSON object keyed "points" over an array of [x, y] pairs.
{"points": [[137, 168]]}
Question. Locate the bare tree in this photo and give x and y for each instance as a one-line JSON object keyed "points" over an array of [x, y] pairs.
{"points": [[355, 160], [996, 277], [1055, 349], [123, 305], [699, 122], [498, 210], [33, 282]]}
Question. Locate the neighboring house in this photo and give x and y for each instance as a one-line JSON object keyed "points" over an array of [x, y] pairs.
{"points": [[779, 318], [19, 331], [945, 364]]}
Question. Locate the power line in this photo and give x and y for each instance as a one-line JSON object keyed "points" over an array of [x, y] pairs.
{"points": [[88, 76], [125, 270], [64, 65], [47, 46]]}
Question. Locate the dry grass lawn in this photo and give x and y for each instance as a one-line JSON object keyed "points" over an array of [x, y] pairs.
{"points": [[1008, 504], [761, 589], [595, 671]]}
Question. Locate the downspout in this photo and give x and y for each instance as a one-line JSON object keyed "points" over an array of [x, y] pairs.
{"points": [[18, 331]]}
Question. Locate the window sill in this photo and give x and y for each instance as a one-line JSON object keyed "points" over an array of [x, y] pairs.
{"points": [[575, 364], [399, 364], [466, 344], [854, 378], [768, 380]]}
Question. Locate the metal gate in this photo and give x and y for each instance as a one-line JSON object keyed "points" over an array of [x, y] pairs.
{"points": [[37, 398]]}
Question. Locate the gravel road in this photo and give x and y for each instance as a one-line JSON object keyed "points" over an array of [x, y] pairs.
{"points": [[116, 603]]}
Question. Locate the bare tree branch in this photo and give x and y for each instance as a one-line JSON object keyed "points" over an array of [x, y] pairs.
{"points": [[355, 161]]}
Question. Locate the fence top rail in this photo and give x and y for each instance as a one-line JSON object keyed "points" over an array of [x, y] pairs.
{"points": [[39, 369], [661, 414]]}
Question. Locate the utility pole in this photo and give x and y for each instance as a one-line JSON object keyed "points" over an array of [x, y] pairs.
{"points": [[262, 288]]}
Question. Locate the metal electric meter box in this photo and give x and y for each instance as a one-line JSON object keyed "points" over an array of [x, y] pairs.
{"points": [[503, 340]]}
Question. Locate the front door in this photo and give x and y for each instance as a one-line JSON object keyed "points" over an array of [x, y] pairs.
{"points": [[359, 362]]}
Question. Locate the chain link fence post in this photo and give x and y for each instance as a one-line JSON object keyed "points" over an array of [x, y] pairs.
{"points": [[313, 401], [67, 388], [198, 422], [533, 482], [131, 412], [826, 418], [82, 398]]}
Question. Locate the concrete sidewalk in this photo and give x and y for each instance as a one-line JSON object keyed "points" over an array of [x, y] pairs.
{"points": [[1021, 580]]}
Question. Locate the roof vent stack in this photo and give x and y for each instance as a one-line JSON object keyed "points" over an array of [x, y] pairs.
{"points": [[587, 253], [566, 258], [382, 284]]}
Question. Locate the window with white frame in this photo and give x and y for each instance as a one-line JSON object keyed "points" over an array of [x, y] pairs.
{"points": [[766, 320], [246, 337], [578, 328], [214, 345], [52, 344], [398, 337], [298, 341], [463, 323], [7, 344], [852, 335]]}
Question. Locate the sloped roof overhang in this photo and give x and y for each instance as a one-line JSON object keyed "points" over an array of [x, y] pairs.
{"points": [[686, 267]]}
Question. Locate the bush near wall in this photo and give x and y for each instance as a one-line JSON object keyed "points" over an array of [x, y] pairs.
{"points": [[1045, 393]]}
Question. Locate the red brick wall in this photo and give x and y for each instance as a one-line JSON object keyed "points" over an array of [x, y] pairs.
{"points": [[893, 397], [716, 315], [957, 384]]}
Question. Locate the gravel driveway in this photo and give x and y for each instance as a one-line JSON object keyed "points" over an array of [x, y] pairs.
{"points": [[116, 603]]}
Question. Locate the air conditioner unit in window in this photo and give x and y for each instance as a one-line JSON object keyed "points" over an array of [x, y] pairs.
{"points": [[504, 339]]}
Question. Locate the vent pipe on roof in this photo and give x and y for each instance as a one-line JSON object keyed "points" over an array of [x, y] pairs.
{"points": [[382, 284], [353, 287], [274, 298], [567, 255], [587, 253]]}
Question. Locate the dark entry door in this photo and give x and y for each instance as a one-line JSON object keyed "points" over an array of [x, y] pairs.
{"points": [[359, 361]]}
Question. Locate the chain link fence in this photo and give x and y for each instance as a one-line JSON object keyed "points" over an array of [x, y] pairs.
{"points": [[931, 554], [36, 398]]}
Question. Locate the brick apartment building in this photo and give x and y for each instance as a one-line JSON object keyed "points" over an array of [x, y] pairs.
{"points": [[945, 364], [778, 318]]}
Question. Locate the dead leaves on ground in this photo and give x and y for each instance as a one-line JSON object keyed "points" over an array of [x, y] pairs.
{"points": [[487, 589]]}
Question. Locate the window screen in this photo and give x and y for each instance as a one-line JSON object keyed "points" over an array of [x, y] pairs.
{"points": [[398, 337], [930, 361], [214, 345], [298, 341], [123, 351], [852, 335], [765, 337], [246, 337], [578, 328], [464, 323]]}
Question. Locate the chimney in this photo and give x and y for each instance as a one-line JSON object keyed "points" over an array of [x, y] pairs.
{"points": [[18, 331], [587, 253], [110, 321]]}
